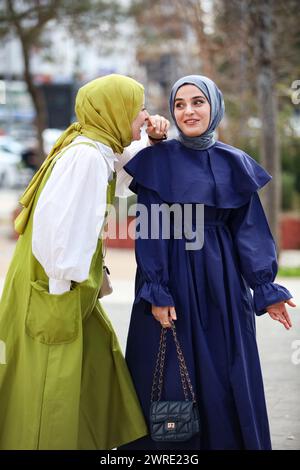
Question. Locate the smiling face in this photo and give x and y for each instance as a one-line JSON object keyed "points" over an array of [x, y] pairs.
{"points": [[191, 111], [138, 123]]}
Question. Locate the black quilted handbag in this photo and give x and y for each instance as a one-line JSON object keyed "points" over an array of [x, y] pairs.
{"points": [[172, 421]]}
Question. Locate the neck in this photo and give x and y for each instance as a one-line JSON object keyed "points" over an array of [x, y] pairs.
{"points": [[201, 142]]}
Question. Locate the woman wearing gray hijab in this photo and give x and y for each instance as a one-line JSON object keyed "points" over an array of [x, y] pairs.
{"points": [[202, 284]]}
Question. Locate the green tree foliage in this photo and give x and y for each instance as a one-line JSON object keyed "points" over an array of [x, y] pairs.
{"points": [[28, 20], [234, 41]]}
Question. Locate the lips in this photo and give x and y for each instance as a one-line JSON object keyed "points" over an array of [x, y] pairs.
{"points": [[191, 121]]}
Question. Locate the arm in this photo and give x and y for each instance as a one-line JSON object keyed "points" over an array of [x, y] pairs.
{"points": [[257, 258], [152, 260], [157, 127], [68, 217]]}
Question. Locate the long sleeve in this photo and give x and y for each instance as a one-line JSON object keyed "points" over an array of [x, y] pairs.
{"points": [[123, 178], [257, 254], [151, 254], [69, 215]]}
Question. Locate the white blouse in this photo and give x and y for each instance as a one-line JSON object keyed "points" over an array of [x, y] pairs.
{"points": [[70, 211]]}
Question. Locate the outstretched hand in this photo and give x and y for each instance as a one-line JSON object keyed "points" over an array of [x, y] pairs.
{"points": [[279, 312]]}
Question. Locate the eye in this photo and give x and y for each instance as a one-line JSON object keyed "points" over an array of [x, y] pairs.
{"points": [[179, 105], [199, 102]]}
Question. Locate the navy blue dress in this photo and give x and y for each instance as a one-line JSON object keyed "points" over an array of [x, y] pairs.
{"points": [[210, 289]]}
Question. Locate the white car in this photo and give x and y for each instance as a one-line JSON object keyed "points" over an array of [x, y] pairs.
{"points": [[12, 172], [10, 145]]}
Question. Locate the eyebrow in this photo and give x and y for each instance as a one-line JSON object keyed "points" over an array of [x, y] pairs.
{"points": [[193, 98]]}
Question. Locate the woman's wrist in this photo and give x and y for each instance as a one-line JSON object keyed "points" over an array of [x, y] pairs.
{"points": [[155, 139]]}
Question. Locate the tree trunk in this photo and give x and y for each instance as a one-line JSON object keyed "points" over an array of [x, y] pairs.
{"points": [[267, 101], [26, 40], [37, 99]]}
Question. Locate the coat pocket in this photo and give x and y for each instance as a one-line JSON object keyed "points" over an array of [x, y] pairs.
{"points": [[52, 319]]}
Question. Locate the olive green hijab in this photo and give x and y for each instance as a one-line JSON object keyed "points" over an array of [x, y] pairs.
{"points": [[105, 109]]}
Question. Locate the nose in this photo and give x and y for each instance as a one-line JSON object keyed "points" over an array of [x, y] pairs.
{"points": [[189, 109], [146, 114]]}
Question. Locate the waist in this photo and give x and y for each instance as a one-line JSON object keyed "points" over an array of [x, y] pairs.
{"points": [[214, 223]]}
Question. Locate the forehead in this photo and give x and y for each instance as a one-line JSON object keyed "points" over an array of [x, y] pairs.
{"points": [[188, 91]]}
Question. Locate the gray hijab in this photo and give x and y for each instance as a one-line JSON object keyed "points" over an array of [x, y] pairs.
{"points": [[217, 108]]}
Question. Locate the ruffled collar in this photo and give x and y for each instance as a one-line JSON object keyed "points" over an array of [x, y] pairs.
{"points": [[221, 176]]}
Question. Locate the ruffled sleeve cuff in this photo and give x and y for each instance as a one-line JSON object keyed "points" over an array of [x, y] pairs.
{"points": [[155, 294], [268, 294]]}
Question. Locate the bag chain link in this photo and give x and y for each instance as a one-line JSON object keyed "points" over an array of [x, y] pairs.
{"points": [[159, 368]]}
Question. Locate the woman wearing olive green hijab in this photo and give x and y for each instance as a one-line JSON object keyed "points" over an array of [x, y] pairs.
{"points": [[63, 380]]}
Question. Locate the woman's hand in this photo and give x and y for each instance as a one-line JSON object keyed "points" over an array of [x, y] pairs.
{"points": [[278, 312], [165, 315], [157, 126]]}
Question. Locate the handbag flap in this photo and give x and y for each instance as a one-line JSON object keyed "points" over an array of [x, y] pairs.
{"points": [[161, 411]]}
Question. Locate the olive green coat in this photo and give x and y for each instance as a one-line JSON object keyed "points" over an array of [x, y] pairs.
{"points": [[64, 383]]}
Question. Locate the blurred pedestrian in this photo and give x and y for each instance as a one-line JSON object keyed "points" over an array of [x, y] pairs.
{"points": [[64, 383], [204, 290], [30, 158]]}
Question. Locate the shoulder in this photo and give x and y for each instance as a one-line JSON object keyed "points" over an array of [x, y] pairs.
{"points": [[235, 154], [237, 175], [150, 157], [81, 149], [161, 147], [232, 152], [80, 158]]}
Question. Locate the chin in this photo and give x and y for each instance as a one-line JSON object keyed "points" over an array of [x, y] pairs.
{"points": [[193, 134]]}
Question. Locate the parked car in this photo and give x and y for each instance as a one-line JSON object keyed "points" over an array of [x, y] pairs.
{"points": [[12, 172]]}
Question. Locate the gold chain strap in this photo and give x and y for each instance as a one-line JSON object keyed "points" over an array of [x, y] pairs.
{"points": [[159, 367]]}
